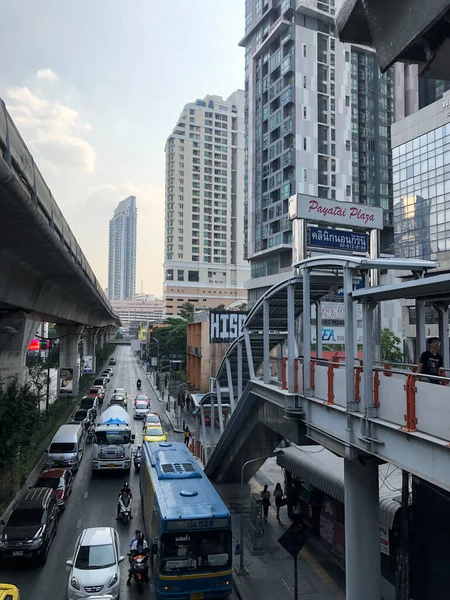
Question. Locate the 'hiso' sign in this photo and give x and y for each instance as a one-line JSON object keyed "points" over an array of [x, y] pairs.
{"points": [[225, 327]]}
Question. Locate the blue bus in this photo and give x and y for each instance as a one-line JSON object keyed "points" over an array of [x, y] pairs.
{"points": [[187, 523]]}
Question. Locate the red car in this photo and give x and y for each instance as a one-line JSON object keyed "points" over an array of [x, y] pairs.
{"points": [[142, 398], [61, 481]]}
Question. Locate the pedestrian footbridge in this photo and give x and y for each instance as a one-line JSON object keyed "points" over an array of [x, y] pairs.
{"points": [[361, 409]]}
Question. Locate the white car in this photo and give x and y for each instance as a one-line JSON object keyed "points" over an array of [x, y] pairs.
{"points": [[141, 410], [95, 564]]}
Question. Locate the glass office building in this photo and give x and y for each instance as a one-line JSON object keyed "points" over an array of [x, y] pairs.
{"points": [[421, 183]]}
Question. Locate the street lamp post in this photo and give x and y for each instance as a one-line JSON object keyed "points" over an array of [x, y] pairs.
{"points": [[242, 570], [157, 351]]}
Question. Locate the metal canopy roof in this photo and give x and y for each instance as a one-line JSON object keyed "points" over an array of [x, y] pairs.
{"points": [[434, 288], [330, 261], [325, 471]]}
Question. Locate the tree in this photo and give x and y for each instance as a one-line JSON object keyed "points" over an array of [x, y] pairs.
{"points": [[221, 307], [390, 347], [187, 312], [172, 339], [38, 378], [119, 335]]}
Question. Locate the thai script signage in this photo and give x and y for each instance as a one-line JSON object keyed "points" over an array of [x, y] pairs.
{"points": [[339, 239], [332, 212], [225, 327]]}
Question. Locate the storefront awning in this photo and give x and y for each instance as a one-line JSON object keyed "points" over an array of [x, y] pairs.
{"points": [[325, 471]]}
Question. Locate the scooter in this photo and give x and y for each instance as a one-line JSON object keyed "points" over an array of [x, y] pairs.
{"points": [[138, 385], [139, 570], [137, 458], [90, 436], [125, 509]]}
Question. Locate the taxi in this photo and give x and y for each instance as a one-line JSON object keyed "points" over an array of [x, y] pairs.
{"points": [[154, 434], [9, 592]]}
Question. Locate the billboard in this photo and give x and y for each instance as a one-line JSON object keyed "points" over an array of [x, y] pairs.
{"points": [[88, 366], [333, 212], [334, 335], [65, 379], [225, 327]]}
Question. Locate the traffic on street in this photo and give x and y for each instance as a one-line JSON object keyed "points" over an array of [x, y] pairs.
{"points": [[93, 503]]}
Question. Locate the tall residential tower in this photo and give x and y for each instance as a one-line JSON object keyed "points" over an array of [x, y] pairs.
{"points": [[122, 251], [204, 261], [317, 116]]}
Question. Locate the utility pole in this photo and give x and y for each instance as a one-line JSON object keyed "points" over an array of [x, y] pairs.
{"points": [[47, 397]]}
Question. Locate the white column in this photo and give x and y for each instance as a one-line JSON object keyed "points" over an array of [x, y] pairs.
{"points": [[266, 341], [307, 330], [362, 530]]}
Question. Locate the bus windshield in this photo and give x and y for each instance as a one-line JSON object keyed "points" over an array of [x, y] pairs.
{"points": [[112, 437], [195, 551]]}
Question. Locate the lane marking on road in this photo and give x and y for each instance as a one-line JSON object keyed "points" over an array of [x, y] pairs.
{"points": [[78, 523], [86, 494]]}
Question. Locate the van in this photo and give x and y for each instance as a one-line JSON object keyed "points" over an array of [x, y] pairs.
{"points": [[66, 449]]}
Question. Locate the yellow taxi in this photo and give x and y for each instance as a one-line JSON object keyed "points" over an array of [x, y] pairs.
{"points": [[154, 434], [9, 592]]}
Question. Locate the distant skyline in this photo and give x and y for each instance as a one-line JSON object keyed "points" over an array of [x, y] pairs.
{"points": [[94, 93]]}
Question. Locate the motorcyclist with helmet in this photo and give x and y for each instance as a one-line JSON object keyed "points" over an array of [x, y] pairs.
{"points": [[138, 384], [125, 492], [138, 548]]}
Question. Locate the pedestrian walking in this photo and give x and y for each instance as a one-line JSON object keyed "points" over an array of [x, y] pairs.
{"points": [[278, 495], [187, 436], [265, 495], [430, 362]]}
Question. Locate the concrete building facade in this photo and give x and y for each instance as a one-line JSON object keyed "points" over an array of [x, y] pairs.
{"points": [[122, 251], [317, 116], [144, 310], [204, 262]]}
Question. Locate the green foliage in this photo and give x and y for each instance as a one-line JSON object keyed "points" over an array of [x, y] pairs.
{"points": [[52, 359], [119, 335], [390, 347], [172, 340], [186, 311]]}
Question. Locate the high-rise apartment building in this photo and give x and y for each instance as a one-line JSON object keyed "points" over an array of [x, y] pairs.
{"points": [[122, 251], [317, 116], [204, 262]]}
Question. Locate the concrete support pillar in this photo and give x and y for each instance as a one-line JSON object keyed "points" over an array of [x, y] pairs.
{"points": [[101, 337], [89, 339], [362, 530], [421, 345], [307, 331], [14, 346], [442, 311], [68, 358]]}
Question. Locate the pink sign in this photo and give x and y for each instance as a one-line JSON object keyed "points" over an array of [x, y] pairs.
{"points": [[321, 210]]}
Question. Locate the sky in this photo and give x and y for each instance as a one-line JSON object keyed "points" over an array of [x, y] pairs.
{"points": [[96, 87]]}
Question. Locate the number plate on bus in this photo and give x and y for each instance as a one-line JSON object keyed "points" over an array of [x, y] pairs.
{"points": [[197, 596]]}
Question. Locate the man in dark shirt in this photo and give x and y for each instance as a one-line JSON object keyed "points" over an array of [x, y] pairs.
{"points": [[430, 362]]}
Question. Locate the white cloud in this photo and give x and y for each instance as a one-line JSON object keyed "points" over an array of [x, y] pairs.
{"points": [[55, 132], [47, 74]]}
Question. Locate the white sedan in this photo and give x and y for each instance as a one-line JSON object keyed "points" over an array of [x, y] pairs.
{"points": [[95, 564]]}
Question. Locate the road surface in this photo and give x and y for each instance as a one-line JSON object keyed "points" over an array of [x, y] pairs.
{"points": [[92, 504]]}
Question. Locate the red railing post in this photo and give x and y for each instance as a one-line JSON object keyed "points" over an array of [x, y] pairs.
{"points": [[283, 373], [330, 376], [388, 367], [358, 372], [410, 416], [376, 389], [296, 360], [313, 375]]}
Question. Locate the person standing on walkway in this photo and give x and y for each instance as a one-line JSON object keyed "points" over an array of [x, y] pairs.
{"points": [[278, 495], [265, 495], [430, 362], [187, 436]]}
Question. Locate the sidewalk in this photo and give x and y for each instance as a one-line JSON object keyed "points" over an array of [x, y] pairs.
{"points": [[272, 574]]}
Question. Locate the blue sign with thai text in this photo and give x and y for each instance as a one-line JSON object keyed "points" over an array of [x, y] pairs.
{"points": [[338, 239]]}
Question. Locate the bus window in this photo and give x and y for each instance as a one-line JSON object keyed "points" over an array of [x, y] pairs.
{"points": [[201, 550]]}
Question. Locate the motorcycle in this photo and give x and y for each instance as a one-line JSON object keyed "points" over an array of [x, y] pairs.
{"points": [[139, 385], [139, 570], [90, 436], [137, 458], [125, 509]]}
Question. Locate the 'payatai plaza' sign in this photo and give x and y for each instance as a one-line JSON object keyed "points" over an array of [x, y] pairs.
{"points": [[225, 327], [320, 210]]}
